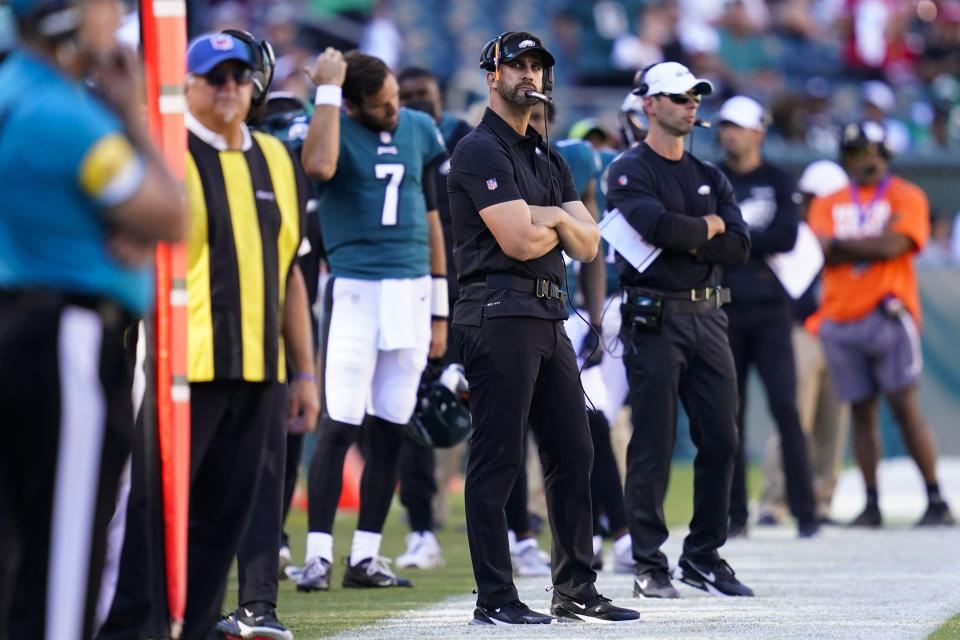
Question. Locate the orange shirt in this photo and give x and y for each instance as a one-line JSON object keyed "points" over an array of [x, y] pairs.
{"points": [[851, 291]]}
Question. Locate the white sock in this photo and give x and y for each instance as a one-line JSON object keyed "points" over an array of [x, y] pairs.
{"points": [[597, 544], [623, 545], [366, 544], [319, 545], [512, 540]]}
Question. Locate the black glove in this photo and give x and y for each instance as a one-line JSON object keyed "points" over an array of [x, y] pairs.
{"points": [[590, 350]]}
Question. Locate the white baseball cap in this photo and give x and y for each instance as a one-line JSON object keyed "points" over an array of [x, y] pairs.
{"points": [[744, 112], [670, 77], [822, 177]]}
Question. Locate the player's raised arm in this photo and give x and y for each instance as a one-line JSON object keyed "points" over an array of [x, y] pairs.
{"points": [[321, 148]]}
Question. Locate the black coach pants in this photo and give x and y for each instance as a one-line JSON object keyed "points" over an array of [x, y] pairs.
{"points": [[689, 357], [522, 369], [66, 421], [760, 333]]}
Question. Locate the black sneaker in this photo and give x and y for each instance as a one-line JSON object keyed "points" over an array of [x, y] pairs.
{"points": [[315, 576], [869, 517], [719, 579], [808, 529], [511, 613], [767, 520], [597, 609], [937, 515], [653, 583], [372, 573], [258, 620]]}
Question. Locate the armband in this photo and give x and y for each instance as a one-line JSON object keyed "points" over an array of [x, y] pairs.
{"points": [[328, 94], [440, 298]]}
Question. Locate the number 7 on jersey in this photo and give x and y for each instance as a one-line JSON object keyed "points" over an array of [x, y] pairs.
{"points": [[391, 198]]}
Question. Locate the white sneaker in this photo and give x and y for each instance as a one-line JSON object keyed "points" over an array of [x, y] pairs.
{"points": [[623, 561], [529, 560], [423, 552]]}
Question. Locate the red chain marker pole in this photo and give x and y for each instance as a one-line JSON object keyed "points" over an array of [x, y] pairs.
{"points": [[164, 49]]}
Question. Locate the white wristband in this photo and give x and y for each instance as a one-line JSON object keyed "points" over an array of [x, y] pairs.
{"points": [[440, 300], [328, 94]]}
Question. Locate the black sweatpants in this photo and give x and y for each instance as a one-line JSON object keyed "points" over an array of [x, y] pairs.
{"points": [[67, 424], [606, 487], [230, 422], [291, 471], [522, 369], [760, 334], [418, 483], [689, 357], [258, 561]]}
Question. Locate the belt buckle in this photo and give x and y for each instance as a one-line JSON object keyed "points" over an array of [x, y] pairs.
{"points": [[694, 297], [542, 288]]}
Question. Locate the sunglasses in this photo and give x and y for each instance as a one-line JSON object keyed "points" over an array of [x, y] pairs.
{"points": [[218, 77], [681, 98]]}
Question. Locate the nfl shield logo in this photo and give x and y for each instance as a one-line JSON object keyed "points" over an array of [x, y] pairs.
{"points": [[622, 180], [492, 184]]}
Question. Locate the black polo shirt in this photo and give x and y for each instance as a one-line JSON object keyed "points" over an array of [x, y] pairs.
{"points": [[665, 201], [494, 164]]}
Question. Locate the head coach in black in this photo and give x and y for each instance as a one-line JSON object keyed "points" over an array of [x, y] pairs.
{"points": [[675, 333], [514, 209]]}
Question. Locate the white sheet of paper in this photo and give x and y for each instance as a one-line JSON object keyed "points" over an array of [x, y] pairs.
{"points": [[624, 238], [798, 268]]}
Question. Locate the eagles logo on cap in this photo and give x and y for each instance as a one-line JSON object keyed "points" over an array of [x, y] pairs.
{"points": [[222, 42], [526, 43]]}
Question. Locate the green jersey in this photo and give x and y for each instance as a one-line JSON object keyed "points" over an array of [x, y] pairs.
{"points": [[607, 156], [583, 161], [373, 212]]}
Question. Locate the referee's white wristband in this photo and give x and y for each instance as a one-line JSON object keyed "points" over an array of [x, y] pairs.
{"points": [[328, 94], [440, 300]]}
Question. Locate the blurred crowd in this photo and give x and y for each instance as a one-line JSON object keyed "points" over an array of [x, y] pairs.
{"points": [[815, 63]]}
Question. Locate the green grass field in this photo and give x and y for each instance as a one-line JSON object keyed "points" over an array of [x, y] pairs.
{"points": [[949, 631], [313, 615]]}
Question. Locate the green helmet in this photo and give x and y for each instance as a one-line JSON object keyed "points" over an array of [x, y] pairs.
{"points": [[441, 418]]}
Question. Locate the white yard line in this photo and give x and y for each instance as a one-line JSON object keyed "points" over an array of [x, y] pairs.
{"points": [[893, 583]]}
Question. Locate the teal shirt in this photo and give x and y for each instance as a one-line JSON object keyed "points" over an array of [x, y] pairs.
{"points": [[373, 212], [63, 160], [583, 161]]}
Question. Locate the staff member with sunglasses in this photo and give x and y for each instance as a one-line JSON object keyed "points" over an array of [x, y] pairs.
{"points": [[247, 197], [675, 333]]}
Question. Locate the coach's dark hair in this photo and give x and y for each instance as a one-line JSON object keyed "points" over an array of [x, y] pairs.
{"points": [[409, 73], [365, 76]]}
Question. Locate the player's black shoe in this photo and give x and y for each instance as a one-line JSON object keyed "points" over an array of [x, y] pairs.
{"points": [[869, 517], [372, 573], [315, 576], [718, 579], [256, 621], [653, 583], [808, 529], [596, 609], [937, 515], [509, 614]]}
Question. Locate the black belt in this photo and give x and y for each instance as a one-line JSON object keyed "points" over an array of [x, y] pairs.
{"points": [[685, 301], [539, 287]]}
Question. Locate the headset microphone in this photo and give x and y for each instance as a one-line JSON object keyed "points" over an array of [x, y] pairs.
{"points": [[542, 97], [703, 124]]}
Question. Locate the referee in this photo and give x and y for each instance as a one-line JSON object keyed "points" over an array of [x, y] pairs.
{"points": [[85, 197], [514, 209], [675, 334]]}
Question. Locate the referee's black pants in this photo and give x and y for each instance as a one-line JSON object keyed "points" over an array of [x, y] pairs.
{"points": [[689, 357], [66, 421], [230, 422], [258, 560], [522, 368], [761, 333]]}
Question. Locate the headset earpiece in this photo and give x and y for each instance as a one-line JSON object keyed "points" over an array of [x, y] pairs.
{"points": [[264, 63], [640, 86]]}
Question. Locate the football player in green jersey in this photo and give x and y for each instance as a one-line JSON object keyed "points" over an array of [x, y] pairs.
{"points": [[385, 304]]}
